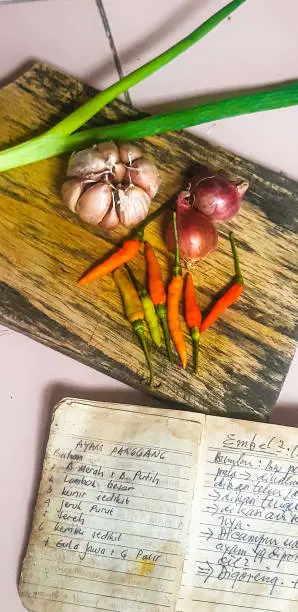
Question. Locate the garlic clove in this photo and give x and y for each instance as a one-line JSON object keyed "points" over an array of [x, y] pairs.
{"points": [[111, 219], [70, 193], [118, 173], [144, 174], [94, 203], [109, 152], [134, 204], [128, 153], [86, 162]]}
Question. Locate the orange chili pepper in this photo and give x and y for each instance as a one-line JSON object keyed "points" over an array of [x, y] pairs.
{"points": [[126, 253], [230, 296], [193, 318], [156, 287], [174, 296], [158, 294]]}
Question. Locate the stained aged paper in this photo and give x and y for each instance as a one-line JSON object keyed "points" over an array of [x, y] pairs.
{"points": [[243, 550], [129, 494], [113, 509]]}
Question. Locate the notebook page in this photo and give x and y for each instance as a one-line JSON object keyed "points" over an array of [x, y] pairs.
{"points": [[244, 547], [113, 510]]}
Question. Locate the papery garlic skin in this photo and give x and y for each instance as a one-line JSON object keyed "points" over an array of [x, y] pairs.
{"points": [[94, 204], [109, 153], [111, 219], [144, 174], [71, 191], [86, 162], [134, 205], [129, 152], [118, 173]]}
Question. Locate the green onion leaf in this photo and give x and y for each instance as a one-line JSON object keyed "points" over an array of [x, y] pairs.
{"points": [[51, 145], [93, 106], [86, 111]]}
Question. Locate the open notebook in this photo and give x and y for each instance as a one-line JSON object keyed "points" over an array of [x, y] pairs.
{"points": [[143, 509]]}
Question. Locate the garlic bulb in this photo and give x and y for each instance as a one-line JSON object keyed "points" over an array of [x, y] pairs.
{"points": [[134, 204], [107, 185]]}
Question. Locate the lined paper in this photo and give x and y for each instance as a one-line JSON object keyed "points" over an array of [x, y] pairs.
{"points": [[243, 554], [113, 509]]}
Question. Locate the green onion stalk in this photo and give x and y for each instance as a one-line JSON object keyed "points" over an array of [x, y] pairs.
{"points": [[51, 145], [44, 144]]}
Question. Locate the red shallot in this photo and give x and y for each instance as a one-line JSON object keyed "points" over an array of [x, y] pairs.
{"points": [[215, 196], [196, 233]]}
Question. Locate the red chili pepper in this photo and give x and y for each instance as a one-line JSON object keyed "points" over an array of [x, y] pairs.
{"points": [[230, 296], [193, 318]]}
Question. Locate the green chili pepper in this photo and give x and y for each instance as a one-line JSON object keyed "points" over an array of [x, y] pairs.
{"points": [[149, 310], [134, 312]]}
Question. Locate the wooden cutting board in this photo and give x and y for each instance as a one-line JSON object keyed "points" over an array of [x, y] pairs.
{"points": [[44, 249]]}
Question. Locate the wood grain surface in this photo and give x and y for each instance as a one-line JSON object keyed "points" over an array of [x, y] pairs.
{"points": [[244, 357]]}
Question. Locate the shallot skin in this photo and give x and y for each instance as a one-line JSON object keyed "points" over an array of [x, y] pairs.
{"points": [[215, 196], [196, 233]]}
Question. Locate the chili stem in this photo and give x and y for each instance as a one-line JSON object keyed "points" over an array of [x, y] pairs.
{"points": [[161, 311], [139, 231], [125, 253], [195, 335], [53, 144], [139, 287], [138, 327], [177, 270], [238, 273]]}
